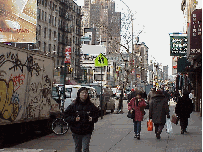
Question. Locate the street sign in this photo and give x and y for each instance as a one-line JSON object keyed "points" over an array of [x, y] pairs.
{"points": [[101, 61]]}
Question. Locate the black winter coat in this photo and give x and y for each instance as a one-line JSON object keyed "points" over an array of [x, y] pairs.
{"points": [[84, 110], [184, 107], [158, 109]]}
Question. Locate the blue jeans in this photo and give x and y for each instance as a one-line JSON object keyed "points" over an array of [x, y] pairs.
{"points": [[137, 127], [81, 141]]}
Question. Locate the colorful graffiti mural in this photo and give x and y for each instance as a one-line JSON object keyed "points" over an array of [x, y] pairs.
{"points": [[9, 104]]}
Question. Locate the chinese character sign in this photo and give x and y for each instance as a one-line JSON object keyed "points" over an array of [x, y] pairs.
{"points": [[18, 19], [196, 32], [67, 55]]}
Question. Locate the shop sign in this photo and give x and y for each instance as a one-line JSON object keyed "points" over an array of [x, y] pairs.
{"points": [[178, 45], [196, 32]]}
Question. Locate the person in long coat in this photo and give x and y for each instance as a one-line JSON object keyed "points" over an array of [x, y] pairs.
{"points": [[183, 110], [138, 104], [158, 110], [81, 116]]}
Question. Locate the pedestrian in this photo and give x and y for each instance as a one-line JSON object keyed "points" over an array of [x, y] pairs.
{"points": [[144, 95], [81, 116], [192, 97], [158, 110], [183, 110], [120, 104], [138, 105], [132, 94], [150, 95]]}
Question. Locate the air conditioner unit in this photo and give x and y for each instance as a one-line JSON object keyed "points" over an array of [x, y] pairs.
{"points": [[55, 39]]}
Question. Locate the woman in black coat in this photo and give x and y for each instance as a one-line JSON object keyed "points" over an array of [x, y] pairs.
{"points": [[183, 110], [81, 116]]}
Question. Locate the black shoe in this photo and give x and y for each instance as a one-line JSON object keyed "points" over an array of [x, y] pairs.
{"points": [[182, 132], [158, 135], [135, 136], [138, 136]]}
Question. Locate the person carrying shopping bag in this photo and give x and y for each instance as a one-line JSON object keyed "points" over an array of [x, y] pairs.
{"points": [[158, 110], [81, 116], [138, 105]]}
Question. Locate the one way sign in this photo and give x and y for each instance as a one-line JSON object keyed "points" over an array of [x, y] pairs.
{"points": [[101, 61]]}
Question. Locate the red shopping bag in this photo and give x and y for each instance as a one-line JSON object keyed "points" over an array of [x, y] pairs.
{"points": [[150, 125]]}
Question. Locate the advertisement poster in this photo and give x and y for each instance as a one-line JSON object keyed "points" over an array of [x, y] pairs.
{"points": [[18, 19], [68, 55]]}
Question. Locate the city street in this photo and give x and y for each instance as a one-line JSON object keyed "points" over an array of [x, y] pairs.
{"points": [[114, 133]]}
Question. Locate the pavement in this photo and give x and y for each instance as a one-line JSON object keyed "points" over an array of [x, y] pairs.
{"points": [[114, 133]]}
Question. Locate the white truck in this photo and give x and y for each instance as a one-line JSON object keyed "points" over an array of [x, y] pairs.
{"points": [[25, 91]]}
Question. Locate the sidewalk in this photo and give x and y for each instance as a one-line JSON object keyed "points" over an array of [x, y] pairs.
{"points": [[114, 133], [118, 137]]}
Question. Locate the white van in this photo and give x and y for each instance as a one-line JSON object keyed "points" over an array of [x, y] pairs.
{"points": [[71, 94]]}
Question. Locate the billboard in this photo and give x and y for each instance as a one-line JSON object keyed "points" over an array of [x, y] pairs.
{"points": [[18, 19], [196, 32], [178, 45]]}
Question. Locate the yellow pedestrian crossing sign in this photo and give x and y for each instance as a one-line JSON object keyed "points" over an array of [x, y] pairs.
{"points": [[101, 61]]}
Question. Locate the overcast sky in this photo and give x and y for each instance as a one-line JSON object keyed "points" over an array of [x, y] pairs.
{"points": [[159, 18]]}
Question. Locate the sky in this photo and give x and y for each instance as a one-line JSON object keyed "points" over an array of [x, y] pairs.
{"points": [[159, 18]]}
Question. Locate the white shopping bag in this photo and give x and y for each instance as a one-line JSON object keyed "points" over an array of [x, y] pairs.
{"points": [[169, 128]]}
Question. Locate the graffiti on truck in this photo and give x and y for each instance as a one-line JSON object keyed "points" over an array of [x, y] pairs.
{"points": [[9, 100], [25, 86], [29, 64], [40, 98]]}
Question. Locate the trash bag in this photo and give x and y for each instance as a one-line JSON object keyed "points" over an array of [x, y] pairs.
{"points": [[169, 128]]}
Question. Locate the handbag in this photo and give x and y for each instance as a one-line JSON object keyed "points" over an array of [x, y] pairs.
{"points": [[131, 114], [149, 125], [169, 126], [174, 119]]}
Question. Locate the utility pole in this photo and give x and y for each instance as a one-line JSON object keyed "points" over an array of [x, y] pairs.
{"points": [[132, 52]]}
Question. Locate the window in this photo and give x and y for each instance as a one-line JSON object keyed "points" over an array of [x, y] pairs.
{"points": [[49, 47], [50, 34], [50, 4], [54, 34], [42, 15], [55, 21], [54, 47], [43, 2], [45, 32], [49, 18], [52, 20], [39, 30], [39, 44], [39, 14], [44, 47], [38, 2], [45, 16]]}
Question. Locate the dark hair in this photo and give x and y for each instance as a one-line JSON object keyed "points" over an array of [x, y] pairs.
{"points": [[78, 96], [138, 93]]}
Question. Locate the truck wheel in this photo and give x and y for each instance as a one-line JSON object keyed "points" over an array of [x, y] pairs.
{"points": [[112, 110]]}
